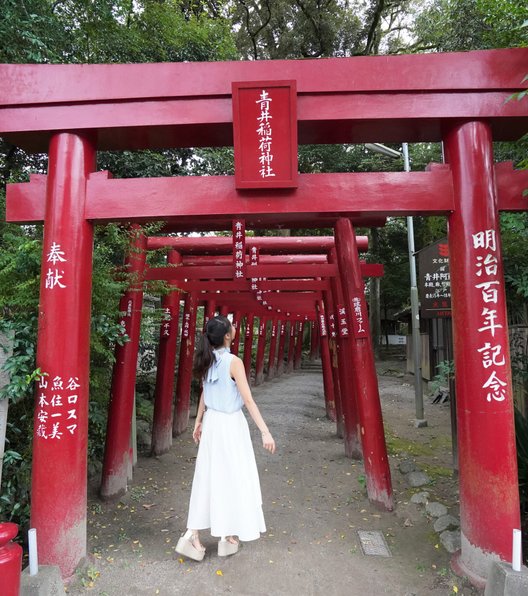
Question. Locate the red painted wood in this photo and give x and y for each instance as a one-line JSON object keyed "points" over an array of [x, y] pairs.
{"points": [[272, 354], [265, 134], [457, 71], [58, 483], [314, 341], [116, 456], [298, 346], [326, 195], [292, 331], [346, 372], [165, 373], [261, 348], [375, 459], [332, 346], [326, 364], [191, 106], [237, 324], [183, 384], [214, 245], [10, 560], [304, 285], [226, 271], [209, 311], [486, 434], [248, 343], [358, 195], [281, 348]]}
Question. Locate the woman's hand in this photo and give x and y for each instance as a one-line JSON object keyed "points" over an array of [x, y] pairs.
{"points": [[197, 432], [267, 442]]}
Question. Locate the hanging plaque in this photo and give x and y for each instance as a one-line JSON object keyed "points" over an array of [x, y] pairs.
{"points": [[265, 134]]}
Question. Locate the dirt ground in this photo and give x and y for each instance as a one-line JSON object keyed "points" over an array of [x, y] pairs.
{"points": [[314, 504]]}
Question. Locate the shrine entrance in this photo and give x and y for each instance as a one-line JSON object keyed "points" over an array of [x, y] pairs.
{"points": [[73, 111]]}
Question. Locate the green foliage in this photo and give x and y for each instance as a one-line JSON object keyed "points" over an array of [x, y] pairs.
{"points": [[446, 371]]}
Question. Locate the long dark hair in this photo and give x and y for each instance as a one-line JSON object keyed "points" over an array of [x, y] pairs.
{"points": [[213, 337]]}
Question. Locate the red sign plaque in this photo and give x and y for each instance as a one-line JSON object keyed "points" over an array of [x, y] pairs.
{"points": [[265, 134]]}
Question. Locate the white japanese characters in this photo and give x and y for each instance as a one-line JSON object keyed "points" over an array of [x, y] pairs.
{"points": [[57, 406], [186, 324], [264, 132], [54, 275], [358, 317], [166, 324], [342, 321], [492, 358], [239, 248]]}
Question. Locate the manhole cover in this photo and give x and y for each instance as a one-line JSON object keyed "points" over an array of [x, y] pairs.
{"points": [[373, 543]]}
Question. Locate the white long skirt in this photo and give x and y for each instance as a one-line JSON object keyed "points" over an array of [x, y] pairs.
{"points": [[226, 494]]}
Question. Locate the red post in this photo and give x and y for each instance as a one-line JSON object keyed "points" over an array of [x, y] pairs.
{"points": [[209, 312], [58, 483], [237, 320], [328, 380], [280, 351], [248, 343], [183, 385], [332, 346], [348, 399], [10, 560], [272, 361], [291, 346], [375, 459], [298, 346], [261, 348], [314, 341], [486, 437], [224, 310], [118, 428], [164, 391]]}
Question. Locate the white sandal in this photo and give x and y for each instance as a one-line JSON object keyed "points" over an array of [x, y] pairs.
{"points": [[227, 548], [186, 547]]}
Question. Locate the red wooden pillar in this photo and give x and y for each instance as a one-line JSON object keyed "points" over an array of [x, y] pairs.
{"points": [[347, 373], [314, 341], [291, 346], [261, 348], [237, 324], [280, 350], [163, 393], [119, 424], [272, 360], [248, 343], [328, 380], [486, 436], [224, 310], [332, 346], [298, 346], [375, 459], [209, 312], [58, 482], [183, 385]]}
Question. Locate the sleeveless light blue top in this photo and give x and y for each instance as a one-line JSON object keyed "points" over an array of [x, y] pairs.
{"points": [[220, 391]]}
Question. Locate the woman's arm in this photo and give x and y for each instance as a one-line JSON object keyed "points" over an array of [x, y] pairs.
{"points": [[238, 373], [197, 432]]}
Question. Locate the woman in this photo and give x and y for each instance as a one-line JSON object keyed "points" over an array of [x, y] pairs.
{"points": [[225, 493]]}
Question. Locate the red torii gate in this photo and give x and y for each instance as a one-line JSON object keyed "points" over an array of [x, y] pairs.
{"points": [[73, 110], [115, 470]]}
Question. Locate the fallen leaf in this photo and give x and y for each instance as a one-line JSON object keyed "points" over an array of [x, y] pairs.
{"points": [[148, 505], [219, 572]]}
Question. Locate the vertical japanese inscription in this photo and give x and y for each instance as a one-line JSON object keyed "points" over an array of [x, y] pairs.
{"points": [[57, 406], [486, 278], [239, 248], [265, 134]]}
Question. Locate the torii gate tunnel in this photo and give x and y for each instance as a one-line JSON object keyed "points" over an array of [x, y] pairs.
{"points": [[71, 111]]}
